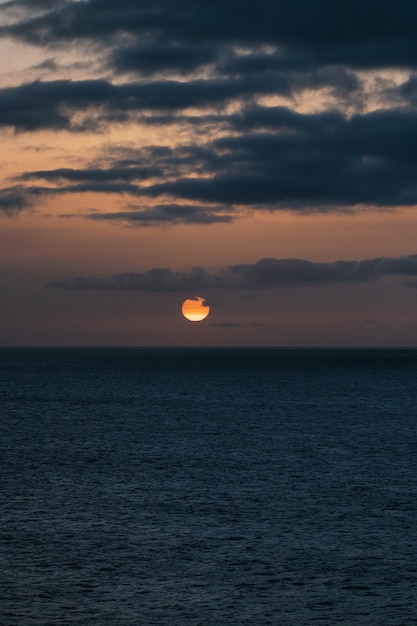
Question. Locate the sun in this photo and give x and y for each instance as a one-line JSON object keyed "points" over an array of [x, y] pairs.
{"points": [[195, 309]]}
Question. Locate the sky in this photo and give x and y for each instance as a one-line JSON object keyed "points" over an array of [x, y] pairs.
{"points": [[260, 155]]}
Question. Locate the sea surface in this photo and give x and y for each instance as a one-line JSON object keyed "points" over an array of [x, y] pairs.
{"points": [[208, 487]]}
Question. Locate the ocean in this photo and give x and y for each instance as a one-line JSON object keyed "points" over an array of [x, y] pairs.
{"points": [[208, 487]]}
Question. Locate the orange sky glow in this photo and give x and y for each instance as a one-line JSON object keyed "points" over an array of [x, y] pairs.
{"points": [[143, 164]]}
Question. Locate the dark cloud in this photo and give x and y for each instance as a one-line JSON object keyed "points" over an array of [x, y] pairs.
{"points": [[166, 214], [265, 274], [154, 56], [275, 158], [13, 200], [93, 175], [409, 89], [237, 76], [51, 105], [157, 279], [366, 33], [189, 61], [18, 198], [307, 161], [34, 4], [243, 49]]}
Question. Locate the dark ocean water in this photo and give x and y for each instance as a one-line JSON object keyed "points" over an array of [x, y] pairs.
{"points": [[208, 487]]}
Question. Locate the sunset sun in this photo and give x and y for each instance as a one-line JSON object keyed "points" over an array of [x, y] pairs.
{"points": [[195, 309]]}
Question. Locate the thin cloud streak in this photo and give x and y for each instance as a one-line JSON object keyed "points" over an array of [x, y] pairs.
{"points": [[166, 214]]}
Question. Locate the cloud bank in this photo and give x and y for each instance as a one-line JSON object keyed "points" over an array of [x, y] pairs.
{"points": [[280, 159], [217, 69], [264, 274]]}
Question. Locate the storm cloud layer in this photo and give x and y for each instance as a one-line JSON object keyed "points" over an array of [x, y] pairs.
{"points": [[215, 70]]}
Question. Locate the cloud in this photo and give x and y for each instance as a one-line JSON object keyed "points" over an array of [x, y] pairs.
{"points": [[323, 161], [155, 55], [52, 104], [210, 66], [221, 52], [93, 175], [166, 214], [275, 158], [13, 200], [265, 274], [154, 280], [371, 33], [18, 198]]}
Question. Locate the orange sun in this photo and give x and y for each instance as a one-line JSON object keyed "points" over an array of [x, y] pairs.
{"points": [[195, 309]]}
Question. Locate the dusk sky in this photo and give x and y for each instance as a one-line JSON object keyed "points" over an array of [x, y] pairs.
{"points": [[261, 155]]}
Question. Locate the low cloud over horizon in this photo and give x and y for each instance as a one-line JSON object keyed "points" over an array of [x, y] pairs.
{"points": [[265, 274]]}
